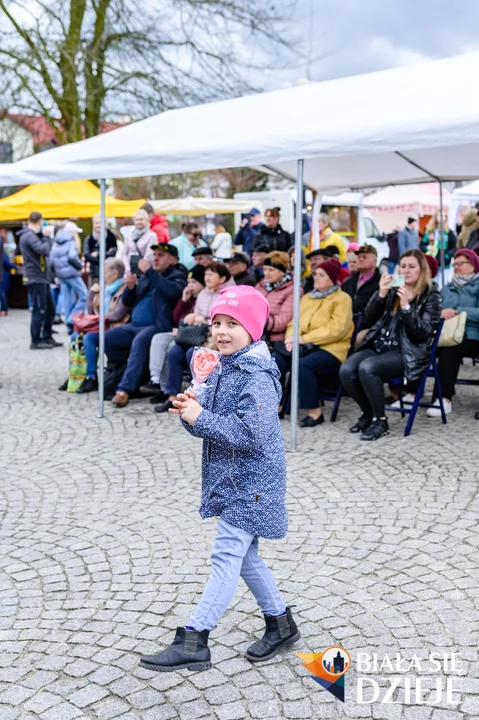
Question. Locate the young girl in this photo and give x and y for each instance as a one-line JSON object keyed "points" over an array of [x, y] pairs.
{"points": [[244, 481]]}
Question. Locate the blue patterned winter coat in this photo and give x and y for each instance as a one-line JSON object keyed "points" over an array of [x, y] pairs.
{"points": [[244, 465]]}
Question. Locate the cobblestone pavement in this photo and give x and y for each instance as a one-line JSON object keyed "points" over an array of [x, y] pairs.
{"points": [[103, 554]]}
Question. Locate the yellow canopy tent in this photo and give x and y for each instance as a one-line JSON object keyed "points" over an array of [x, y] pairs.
{"points": [[77, 198]]}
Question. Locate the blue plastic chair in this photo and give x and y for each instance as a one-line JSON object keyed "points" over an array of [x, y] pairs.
{"points": [[431, 371]]}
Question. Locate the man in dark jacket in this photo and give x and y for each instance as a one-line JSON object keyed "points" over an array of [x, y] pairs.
{"points": [[91, 248], [249, 228], [152, 298], [362, 284], [35, 249], [238, 265]]}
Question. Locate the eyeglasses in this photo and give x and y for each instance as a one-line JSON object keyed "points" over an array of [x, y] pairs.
{"points": [[196, 235], [460, 264]]}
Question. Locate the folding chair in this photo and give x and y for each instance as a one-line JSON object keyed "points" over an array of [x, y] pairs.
{"points": [[468, 382], [431, 371], [340, 391]]}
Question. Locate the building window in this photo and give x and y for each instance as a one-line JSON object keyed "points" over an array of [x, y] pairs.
{"points": [[6, 152]]}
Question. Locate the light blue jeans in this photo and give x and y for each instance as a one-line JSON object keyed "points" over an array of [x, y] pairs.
{"points": [[235, 554], [74, 294]]}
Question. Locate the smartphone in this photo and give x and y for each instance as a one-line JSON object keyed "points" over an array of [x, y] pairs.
{"points": [[134, 265], [397, 281]]}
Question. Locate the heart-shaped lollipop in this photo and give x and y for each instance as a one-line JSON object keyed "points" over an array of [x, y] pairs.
{"points": [[204, 362]]}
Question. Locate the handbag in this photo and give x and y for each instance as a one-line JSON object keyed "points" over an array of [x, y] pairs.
{"points": [[304, 349], [191, 335], [453, 330], [84, 323]]}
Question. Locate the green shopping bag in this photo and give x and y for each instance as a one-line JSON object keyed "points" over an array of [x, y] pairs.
{"points": [[77, 372]]}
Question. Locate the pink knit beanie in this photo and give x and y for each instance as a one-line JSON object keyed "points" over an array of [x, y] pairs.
{"points": [[244, 304]]}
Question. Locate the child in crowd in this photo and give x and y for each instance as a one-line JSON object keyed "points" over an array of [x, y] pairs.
{"points": [[243, 484]]}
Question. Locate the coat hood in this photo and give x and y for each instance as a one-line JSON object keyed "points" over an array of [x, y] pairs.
{"points": [[159, 220], [25, 231], [255, 358], [63, 236]]}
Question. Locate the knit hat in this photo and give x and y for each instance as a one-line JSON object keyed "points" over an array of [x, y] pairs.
{"points": [[433, 265], [353, 247], [246, 305], [411, 220], [332, 268], [470, 255], [198, 274]]}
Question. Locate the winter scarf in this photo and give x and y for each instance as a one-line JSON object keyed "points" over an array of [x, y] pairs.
{"points": [[110, 290], [274, 286], [460, 281], [318, 294]]}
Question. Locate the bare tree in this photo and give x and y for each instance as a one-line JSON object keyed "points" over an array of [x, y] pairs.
{"points": [[79, 62]]}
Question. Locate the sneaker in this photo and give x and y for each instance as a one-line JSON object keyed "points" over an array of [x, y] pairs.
{"points": [[42, 345], [361, 425], [408, 398], [88, 385], [52, 342], [376, 430], [151, 388], [436, 410]]}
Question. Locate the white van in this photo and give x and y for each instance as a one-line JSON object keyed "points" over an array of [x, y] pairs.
{"points": [[349, 217]]}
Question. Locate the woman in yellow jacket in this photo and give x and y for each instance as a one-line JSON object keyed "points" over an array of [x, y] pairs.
{"points": [[325, 330]]}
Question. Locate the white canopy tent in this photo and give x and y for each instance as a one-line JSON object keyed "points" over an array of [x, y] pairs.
{"points": [[465, 196], [403, 139]]}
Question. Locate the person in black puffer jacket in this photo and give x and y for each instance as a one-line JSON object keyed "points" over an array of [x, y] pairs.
{"points": [[272, 234], [403, 322]]}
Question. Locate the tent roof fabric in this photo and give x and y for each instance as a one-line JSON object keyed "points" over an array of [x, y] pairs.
{"points": [[79, 198], [467, 192], [348, 131], [196, 207], [424, 196]]}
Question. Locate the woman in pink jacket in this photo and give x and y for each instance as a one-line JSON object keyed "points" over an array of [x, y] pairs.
{"points": [[277, 288]]}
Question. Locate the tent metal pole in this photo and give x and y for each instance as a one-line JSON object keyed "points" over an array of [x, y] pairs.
{"points": [[441, 235], [297, 298], [101, 353], [317, 202]]}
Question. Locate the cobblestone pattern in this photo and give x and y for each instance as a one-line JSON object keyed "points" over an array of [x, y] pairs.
{"points": [[103, 554]]}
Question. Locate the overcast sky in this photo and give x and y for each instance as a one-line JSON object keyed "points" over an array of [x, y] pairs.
{"points": [[358, 36]]}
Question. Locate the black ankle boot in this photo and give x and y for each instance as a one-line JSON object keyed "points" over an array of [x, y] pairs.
{"points": [[280, 631], [188, 650]]}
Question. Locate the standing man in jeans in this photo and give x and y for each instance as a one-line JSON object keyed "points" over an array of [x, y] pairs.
{"points": [[35, 249]]}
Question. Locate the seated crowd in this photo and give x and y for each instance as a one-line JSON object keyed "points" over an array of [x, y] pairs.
{"points": [[158, 314]]}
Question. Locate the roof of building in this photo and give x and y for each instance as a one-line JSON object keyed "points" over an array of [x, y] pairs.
{"points": [[43, 133]]}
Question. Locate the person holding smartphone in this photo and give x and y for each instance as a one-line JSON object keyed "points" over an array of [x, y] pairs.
{"points": [[403, 321]]}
